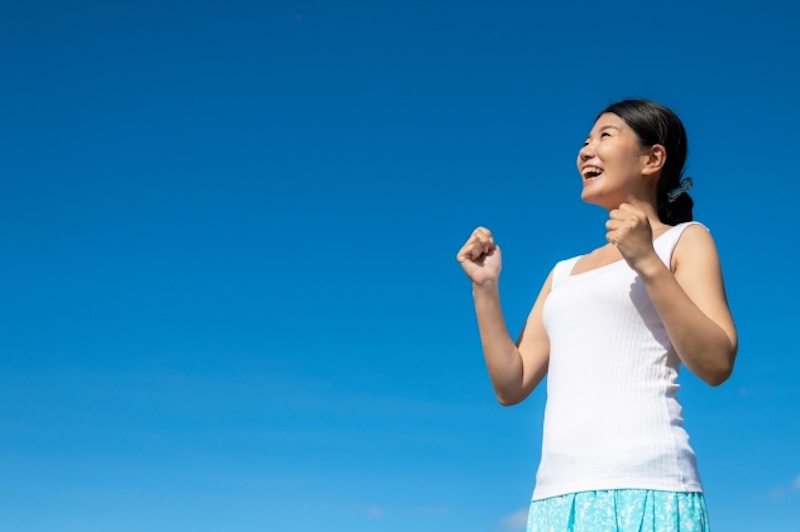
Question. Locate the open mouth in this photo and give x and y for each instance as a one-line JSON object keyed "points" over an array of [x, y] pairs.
{"points": [[591, 172]]}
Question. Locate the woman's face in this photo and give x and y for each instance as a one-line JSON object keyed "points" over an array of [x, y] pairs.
{"points": [[611, 163]]}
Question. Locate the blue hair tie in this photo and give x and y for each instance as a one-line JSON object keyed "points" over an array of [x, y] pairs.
{"points": [[684, 186]]}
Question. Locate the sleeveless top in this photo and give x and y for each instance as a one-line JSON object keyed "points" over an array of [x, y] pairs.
{"points": [[612, 418]]}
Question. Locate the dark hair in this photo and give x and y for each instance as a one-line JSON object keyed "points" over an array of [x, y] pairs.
{"points": [[655, 124]]}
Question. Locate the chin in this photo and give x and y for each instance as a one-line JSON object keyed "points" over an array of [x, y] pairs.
{"points": [[596, 199], [588, 197]]}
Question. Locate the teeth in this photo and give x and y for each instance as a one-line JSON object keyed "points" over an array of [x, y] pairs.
{"points": [[591, 171]]}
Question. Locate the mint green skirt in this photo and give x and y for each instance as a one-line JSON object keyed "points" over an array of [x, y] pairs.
{"points": [[625, 510]]}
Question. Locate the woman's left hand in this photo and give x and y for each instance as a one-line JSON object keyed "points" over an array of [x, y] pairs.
{"points": [[630, 232]]}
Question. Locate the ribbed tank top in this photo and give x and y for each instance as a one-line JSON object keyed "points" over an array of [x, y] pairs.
{"points": [[612, 418]]}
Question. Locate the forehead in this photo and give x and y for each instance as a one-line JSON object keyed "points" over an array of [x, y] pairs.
{"points": [[609, 120]]}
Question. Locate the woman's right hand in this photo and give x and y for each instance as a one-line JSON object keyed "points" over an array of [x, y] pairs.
{"points": [[480, 257]]}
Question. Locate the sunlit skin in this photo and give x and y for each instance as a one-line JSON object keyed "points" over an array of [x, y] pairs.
{"points": [[625, 186], [621, 176], [629, 171]]}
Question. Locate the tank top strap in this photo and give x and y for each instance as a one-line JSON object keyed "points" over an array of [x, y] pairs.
{"points": [[563, 269], [665, 244]]}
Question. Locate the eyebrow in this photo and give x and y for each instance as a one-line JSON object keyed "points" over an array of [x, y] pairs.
{"points": [[607, 126]]}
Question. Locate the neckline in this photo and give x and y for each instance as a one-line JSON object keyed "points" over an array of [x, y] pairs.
{"points": [[616, 262]]}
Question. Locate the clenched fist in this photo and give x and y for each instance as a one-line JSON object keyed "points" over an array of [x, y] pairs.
{"points": [[630, 231], [480, 257]]}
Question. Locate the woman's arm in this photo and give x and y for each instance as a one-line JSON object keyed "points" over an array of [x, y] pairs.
{"points": [[693, 306], [691, 302], [515, 369]]}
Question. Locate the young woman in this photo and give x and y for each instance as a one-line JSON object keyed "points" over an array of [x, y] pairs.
{"points": [[610, 329]]}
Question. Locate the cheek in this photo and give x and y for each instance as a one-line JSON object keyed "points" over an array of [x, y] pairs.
{"points": [[610, 155]]}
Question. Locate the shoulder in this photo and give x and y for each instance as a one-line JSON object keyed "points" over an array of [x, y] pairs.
{"points": [[570, 260], [562, 269], [693, 234], [695, 245]]}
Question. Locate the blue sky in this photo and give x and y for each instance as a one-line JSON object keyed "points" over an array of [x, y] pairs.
{"points": [[229, 294]]}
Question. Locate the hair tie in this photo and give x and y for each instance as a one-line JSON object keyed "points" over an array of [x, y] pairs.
{"points": [[684, 186]]}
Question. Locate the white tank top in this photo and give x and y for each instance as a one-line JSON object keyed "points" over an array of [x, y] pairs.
{"points": [[612, 418]]}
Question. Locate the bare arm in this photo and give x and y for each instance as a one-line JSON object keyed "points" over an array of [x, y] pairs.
{"points": [[514, 368], [691, 301], [693, 306]]}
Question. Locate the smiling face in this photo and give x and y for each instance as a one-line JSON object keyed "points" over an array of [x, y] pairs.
{"points": [[613, 165]]}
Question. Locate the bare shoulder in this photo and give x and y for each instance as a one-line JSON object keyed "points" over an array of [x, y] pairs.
{"points": [[695, 247], [697, 268]]}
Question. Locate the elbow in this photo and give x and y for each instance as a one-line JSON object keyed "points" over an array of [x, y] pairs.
{"points": [[717, 378], [507, 400], [514, 394], [719, 374]]}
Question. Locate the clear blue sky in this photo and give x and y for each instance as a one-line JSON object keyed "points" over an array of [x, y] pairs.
{"points": [[229, 299]]}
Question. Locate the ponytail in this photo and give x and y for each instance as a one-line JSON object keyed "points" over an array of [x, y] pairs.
{"points": [[673, 212]]}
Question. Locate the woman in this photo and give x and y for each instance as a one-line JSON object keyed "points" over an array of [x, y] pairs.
{"points": [[610, 329]]}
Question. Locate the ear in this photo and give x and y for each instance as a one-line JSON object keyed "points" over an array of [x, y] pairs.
{"points": [[655, 158]]}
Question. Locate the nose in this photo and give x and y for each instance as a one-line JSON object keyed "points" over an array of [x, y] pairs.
{"points": [[586, 152]]}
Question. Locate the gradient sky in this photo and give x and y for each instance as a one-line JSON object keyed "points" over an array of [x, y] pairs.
{"points": [[229, 299]]}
